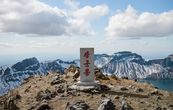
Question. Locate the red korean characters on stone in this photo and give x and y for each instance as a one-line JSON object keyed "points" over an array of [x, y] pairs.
{"points": [[87, 63]]}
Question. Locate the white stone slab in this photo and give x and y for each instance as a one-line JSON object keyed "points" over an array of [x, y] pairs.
{"points": [[87, 76]]}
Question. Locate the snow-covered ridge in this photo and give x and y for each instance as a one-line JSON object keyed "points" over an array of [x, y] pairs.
{"points": [[102, 59], [132, 65]]}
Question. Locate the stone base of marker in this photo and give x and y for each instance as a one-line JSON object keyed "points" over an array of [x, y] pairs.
{"points": [[83, 86], [80, 83]]}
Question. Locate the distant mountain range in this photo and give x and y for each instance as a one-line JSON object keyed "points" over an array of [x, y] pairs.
{"points": [[122, 64]]}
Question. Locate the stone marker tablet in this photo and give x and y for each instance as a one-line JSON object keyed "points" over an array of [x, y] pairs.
{"points": [[87, 76]]}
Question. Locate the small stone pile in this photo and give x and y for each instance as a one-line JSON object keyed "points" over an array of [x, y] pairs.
{"points": [[47, 95], [57, 80]]}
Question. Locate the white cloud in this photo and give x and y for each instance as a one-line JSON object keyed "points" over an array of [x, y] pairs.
{"points": [[31, 17], [38, 18], [82, 17], [42, 23], [91, 13], [79, 27], [131, 23]]}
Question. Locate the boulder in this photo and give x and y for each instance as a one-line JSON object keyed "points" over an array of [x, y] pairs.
{"points": [[43, 106], [158, 108], [104, 87], [65, 71], [114, 77], [155, 92], [11, 102], [76, 74], [106, 104], [10, 105], [103, 95], [60, 89], [56, 80], [123, 89], [72, 68], [138, 90], [78, 105], [32, 106], [39, 96], [47, 95], [99, 74], [171, 105], [125, 106], [116, 97]]}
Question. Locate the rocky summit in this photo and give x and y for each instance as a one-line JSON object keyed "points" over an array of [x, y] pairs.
{"points": [[53, 92]]}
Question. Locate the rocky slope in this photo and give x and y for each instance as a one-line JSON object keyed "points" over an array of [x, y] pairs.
{"points": [[112, 94], [121, 64]]}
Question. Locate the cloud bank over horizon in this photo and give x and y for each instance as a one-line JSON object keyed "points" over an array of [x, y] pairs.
{"points": [[38, 18]]}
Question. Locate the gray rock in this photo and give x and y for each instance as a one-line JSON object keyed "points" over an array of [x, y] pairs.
{"points": [[32, 106], [11, 102], [76, 74], [106, 104], [99, 74], [114, 77], [10, 105], [164, 108], [47, 94], [60, 89], [139, 90], [79, 105], [116, 97], [44, 106], [171, 105], [155, 92], [158, 108], [103, 95], [104, 88], [125, 106], [123, 89], [56, 80]]}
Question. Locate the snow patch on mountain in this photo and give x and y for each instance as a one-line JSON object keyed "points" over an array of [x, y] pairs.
{"points": [[102, 59]]}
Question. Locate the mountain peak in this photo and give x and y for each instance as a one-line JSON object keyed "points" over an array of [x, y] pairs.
{"points": [[128, 56], [123, 52], [20, 66]]}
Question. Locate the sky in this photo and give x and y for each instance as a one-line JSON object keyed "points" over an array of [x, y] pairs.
{"points": [[53, 29]]}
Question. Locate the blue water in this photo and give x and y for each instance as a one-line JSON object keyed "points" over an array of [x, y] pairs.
{"points": [[164, 84]]}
